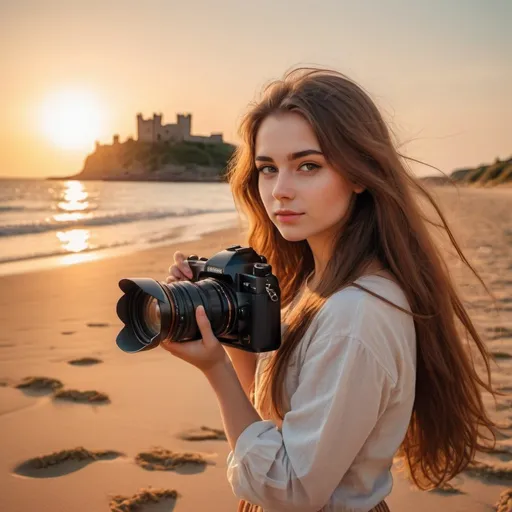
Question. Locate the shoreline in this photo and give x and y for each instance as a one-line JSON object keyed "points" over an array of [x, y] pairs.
{"points": [[177, 235]]}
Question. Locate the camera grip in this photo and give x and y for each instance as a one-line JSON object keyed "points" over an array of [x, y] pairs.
{"points": [[196, 266]]}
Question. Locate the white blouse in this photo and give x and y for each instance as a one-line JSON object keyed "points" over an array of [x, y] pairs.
{"points": [[350, 389]]}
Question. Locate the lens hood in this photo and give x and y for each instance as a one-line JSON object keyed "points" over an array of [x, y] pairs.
{"points": [[129, 339]]}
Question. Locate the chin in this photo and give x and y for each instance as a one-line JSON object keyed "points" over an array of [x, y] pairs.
{"points": [[291, 236]]}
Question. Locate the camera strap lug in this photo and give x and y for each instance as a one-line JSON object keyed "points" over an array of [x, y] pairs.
{"points": [[271, 293]]}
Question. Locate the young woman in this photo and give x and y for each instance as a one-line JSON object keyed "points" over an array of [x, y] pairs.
{"points": [[372, 362]]}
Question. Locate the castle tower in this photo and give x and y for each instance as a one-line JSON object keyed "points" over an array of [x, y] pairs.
{"points": [[147, 129], [185, 125], [157, 121]]}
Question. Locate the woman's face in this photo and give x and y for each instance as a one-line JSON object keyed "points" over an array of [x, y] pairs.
{"points": [[295, 177]]}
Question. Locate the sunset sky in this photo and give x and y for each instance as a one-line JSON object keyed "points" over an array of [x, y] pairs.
{"points": [[440, 70]]}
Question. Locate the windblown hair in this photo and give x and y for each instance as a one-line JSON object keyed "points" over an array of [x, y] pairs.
{"points": [[385, 223]]}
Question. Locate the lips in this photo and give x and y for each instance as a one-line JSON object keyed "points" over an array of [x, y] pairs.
{"points": [[287, 213], [287, 216]]}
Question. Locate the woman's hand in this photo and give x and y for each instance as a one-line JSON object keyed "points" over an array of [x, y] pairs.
{"points": [[207, 352], [180, 270]]}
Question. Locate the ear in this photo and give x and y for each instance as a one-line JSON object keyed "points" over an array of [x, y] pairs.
{"points": [[358, 189]]}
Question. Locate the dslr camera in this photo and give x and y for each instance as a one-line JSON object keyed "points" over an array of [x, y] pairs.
{"points": [[239, 293]]}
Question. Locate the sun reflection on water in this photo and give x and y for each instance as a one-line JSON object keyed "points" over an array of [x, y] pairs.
{"points": [[73, 206], [74, 240], [75, 197]]}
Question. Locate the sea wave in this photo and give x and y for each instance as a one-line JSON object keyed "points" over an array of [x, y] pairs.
{"points": [[60, 252], [53, 224], [9, 209]]}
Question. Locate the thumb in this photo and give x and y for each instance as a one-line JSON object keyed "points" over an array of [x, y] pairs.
{"points": [[204, 324]]}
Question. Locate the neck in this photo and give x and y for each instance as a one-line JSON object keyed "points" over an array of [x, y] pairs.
{"points": [[321, 249], [322, 252]]}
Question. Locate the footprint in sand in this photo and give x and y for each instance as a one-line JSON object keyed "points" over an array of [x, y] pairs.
{"points": [[203, 434], [85, 361], [36, 386], [97, 324], [63, 462], [501, 355], [161, 459], [89, 396], [148, 496]]}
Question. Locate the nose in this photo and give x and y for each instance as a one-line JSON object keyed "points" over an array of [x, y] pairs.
{"points": [[284, 187]]}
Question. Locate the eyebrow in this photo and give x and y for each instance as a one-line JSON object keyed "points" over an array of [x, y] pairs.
{"points": [[291, 156]]}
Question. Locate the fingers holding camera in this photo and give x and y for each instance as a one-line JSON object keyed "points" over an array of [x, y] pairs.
{"points": [[178, 270], [181, 266], [204, 353]]}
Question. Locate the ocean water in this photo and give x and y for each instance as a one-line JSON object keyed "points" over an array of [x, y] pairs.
{"points": [[50, 223]]}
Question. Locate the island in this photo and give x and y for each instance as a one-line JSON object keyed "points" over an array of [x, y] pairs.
{"points": [[161, 153]]}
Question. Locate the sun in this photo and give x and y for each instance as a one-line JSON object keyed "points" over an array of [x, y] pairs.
{"points": [[71, 119]]}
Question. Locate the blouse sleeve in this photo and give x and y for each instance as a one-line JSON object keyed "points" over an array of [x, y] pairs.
{"points": [[341, 393]]}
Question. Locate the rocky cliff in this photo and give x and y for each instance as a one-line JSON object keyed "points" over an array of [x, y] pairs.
{"points": [[141, 161]]}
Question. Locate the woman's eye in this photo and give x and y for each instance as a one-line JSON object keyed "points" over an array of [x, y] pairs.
{"points": [[309, 167], [266, 169]]}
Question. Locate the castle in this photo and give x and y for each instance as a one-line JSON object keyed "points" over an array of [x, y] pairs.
{"points": [[152, 130]]}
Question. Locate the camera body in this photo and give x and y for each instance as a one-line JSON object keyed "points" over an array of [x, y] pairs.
{"points": [[236, 286], [258, 296]]}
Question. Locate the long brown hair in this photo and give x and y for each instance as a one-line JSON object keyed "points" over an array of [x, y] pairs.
{"points": [[387, 224]]}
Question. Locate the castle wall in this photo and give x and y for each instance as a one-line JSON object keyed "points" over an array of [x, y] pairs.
{"points": [[152, 130], [168, 132]]}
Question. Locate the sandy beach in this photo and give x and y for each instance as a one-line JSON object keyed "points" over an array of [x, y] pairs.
{"points": [[144, 406]]}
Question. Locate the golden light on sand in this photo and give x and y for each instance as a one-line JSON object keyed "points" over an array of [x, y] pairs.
{"points": [[72, 119]]}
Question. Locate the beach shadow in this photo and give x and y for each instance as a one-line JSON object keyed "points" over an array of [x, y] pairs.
{"points": [[504, 406], [498, 355], [448, 489], [161, 459], [492, 473], [499, 332], [85, 361], [203, 434], [39, 386], [63, 462], [147, 500], [84, 397]]}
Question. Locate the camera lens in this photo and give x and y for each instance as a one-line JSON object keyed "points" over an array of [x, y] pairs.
{"points": [[154, 311], [151, 315], [217, 298]]}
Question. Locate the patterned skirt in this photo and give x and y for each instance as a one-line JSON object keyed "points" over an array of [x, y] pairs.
{"points": [[244, 506]]}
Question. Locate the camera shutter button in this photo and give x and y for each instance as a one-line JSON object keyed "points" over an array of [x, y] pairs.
{"points": [[262, 269]]}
